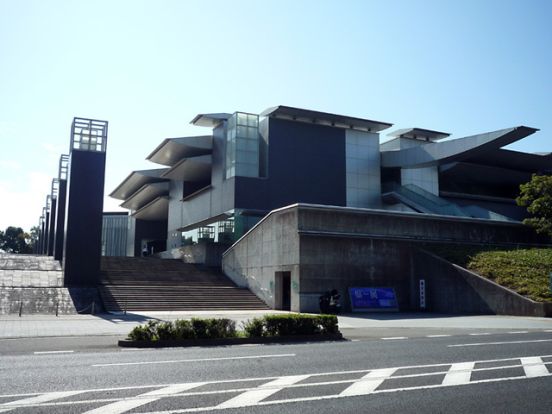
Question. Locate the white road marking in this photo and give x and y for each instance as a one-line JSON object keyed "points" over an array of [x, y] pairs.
{"points": [[534, 367], [500, 343], [394, 337], [369, 382], [547, 330], [53, 352], [518, 332], [454, 373], [175, 361], [459, 373], [437, 336], [331, 397], [479, 333], [39, 399], [143, 399], [250, 398]]}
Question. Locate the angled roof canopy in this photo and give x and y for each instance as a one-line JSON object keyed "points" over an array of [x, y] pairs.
{"points": [[172, 150], [324, 118], [209, 120], [135, 180], [437, 153], [145, 194], [419, 133], [157, 209], [191, 169]]}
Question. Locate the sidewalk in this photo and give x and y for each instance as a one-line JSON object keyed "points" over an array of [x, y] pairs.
{"points": [[13, 326]]}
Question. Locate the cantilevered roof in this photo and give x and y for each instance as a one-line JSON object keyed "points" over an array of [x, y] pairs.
{"points": [[191, 169], [145, 194], [157, 209], [324, 118], [209, 120], [172, 150], [437, 153], [515, 160], [418, 133], [135, 180]]}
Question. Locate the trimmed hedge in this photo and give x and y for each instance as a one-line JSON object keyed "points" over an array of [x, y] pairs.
{"points": [[267, 326], [292, 324]]}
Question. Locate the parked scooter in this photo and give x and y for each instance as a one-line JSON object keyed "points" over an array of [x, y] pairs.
{"points": [[329, 302]]}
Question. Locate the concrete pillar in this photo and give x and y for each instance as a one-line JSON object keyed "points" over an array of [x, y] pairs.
{"points": [[84, 203]]}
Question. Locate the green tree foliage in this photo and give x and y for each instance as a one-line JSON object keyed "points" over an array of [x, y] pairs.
{"points": [[536, 195], [15, 240]]}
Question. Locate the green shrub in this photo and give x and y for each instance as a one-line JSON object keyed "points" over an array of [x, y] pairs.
{"points": [[297, 324], [214, 328], [165, 331], [147, 332], [328, 324], [254, 328], [221, 328], [269, 325], [200, 327], [183, 329]]}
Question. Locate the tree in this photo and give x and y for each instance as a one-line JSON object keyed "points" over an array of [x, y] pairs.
{"points": [[15, 240], [536, 195]]}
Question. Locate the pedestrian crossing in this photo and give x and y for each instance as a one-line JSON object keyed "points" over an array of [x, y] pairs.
{"points": [[250, 392]]}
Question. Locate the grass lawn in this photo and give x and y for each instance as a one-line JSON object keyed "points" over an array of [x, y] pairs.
{"points": [[525, 271]]}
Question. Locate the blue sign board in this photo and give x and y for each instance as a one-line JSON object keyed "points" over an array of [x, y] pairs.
{"points": [[373, 299]]}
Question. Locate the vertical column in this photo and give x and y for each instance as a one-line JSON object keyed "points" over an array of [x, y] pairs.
{"points": [[60, 209], [84, 204], [43, 233], [52, 222]]}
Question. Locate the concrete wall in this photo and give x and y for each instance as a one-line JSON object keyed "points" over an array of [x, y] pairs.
{"points": [[328, 248], [453, 289], [340, 263], [272, 246], [46, 300]]}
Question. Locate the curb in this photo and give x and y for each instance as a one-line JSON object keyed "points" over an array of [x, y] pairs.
{"points": [[230, 341]]}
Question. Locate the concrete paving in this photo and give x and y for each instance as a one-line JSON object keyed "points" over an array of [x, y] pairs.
{"points": [[13, 326]]}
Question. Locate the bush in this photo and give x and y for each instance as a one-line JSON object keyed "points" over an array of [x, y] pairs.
{"points": [[297, 324], [183, 329], [147, 332], [214, 328], [254, 328], [269, 325]]}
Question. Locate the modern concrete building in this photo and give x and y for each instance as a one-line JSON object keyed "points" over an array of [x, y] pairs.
{"points": [[217, 186], [350, 207]]}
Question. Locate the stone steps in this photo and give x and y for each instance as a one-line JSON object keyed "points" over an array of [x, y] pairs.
{"points": [[152, 284]]}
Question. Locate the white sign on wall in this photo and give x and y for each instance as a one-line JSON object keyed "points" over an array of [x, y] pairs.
{"points": [[422, 294]]}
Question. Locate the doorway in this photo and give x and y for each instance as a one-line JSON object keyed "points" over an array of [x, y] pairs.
{"points": [[283, 290]]}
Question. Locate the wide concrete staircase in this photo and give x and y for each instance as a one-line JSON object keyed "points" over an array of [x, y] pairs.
{"points": [[152, 284]]}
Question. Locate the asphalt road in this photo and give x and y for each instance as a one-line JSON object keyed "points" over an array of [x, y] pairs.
{"points": [[463, 373]]}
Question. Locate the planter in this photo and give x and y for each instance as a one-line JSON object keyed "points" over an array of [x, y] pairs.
{"points": [[231, 341]]}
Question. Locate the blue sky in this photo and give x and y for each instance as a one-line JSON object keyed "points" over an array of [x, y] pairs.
{"points": [[148, 67]]}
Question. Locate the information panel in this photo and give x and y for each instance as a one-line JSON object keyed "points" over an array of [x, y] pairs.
{"points": [[366, 299]]}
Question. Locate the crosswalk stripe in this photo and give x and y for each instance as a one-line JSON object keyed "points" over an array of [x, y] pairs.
{"points": [[368, 383], [459, 373], [39, 399], [534, 367], [264, 391], [143, 399]]}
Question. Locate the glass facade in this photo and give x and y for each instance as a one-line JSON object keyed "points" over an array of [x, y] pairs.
{"points": [[242, 145], [225, 231]]}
